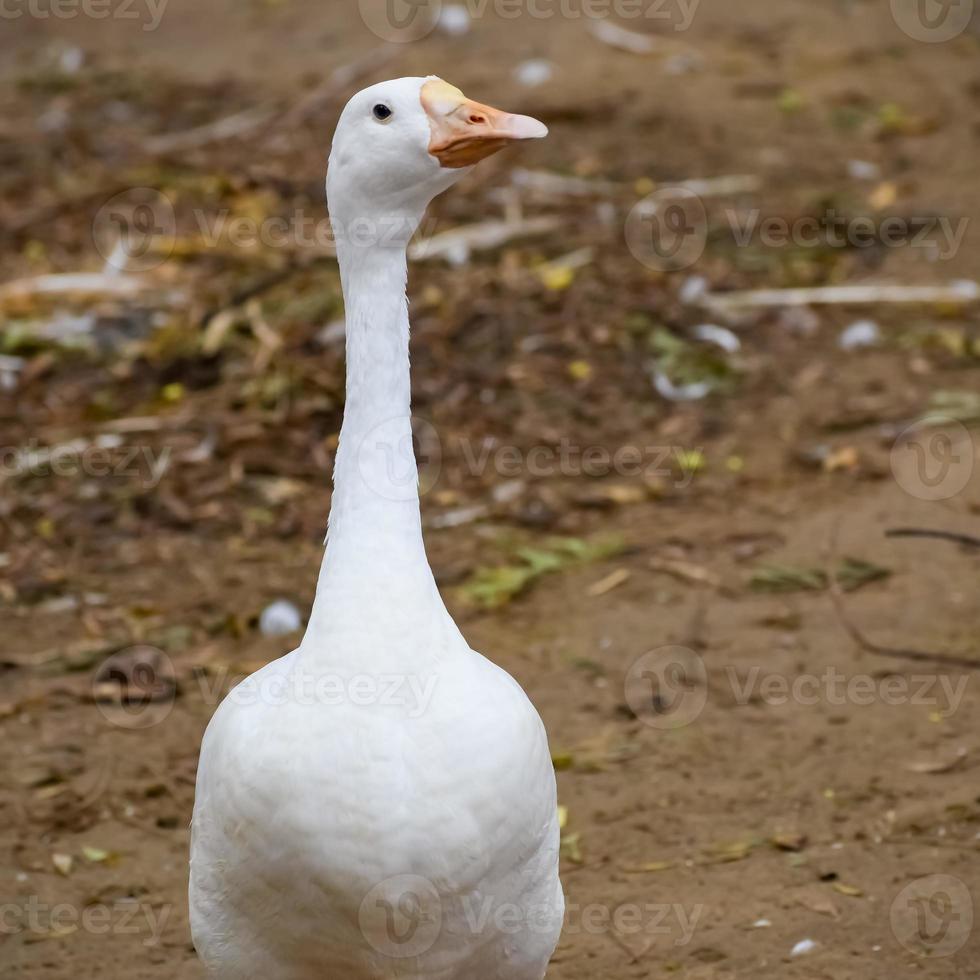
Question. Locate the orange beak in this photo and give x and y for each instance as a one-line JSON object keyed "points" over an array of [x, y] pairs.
{"points": [[465, 132]]}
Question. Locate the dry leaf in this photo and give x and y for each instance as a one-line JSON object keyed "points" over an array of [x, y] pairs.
{"points": [[686, 571], [845, 458], [729, 852], [936, 766], [648, 868], [610, 582], [63, 863], [571, 849], [816, 901], [883, 196]]}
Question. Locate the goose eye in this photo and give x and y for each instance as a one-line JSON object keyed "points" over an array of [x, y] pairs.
{"points": [[381, 112]]}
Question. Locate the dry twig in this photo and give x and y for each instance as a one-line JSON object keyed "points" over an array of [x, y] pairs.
{"points": [[923, 532], [859, 637]]}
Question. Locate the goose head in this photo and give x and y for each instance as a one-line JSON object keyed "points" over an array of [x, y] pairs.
{"points": [[400, 143]]}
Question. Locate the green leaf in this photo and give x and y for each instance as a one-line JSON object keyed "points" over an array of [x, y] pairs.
{"points": [[787, 578], [853, 573]]}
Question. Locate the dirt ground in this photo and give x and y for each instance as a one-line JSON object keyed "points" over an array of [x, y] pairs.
{"points": [[763, 710]]}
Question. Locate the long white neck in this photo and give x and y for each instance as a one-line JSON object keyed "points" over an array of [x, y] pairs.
{"points": [[375, 572], [375, 509]]}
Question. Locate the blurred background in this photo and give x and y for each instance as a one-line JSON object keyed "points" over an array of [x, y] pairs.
{"points": [[681, 372]]}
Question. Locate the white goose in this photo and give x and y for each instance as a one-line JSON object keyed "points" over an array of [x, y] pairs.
{"points": [[381, 802]]}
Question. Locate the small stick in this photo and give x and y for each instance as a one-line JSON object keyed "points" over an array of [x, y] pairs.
{"points": [[251, 119], [58, 284], [923, 532], [221, 129], [48, 212], [254, 289], [957, 292], [920, 656], [339, 81], [858, 636]]}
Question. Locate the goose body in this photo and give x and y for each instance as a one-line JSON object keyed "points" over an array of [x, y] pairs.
{"points": [[380, 803]]}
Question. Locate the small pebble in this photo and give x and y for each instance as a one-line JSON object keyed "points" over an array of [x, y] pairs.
{"points": [[803, 947], [454, 20], [333, 333], [682, 64], [508, 491], [694, 289], [534, 72], [71, 60], [800, 320], [861, 334], [279, 618], [721, 337], [863, 170]]}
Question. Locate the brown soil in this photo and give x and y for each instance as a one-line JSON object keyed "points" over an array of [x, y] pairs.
{"points": [[810, 813]]}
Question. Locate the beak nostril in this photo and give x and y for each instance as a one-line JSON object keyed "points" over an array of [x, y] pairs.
{"points": [[477, 119]]}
